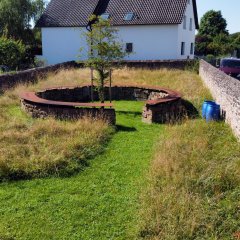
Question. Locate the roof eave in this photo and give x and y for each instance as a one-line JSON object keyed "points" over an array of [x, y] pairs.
{"points": [[195, 14], [117, 25]]}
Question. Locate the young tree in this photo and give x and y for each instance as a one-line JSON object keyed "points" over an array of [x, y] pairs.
{"points": [[105, 51]]}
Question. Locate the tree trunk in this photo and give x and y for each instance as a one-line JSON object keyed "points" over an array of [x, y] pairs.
{"points": [[102, 90]]}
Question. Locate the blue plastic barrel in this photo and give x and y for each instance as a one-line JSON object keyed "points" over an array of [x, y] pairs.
{"points": [[212, 112], [204, 107]]}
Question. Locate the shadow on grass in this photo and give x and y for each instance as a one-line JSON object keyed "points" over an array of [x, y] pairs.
{"points": [[135, 114], [191, 111], [121, 128]]}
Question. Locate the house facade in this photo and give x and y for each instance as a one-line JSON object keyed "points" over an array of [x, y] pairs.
{"points": [[149, 30]]}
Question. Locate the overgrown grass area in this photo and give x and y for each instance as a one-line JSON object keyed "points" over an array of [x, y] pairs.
{"points": [[101, 202], [194, 190], [153, 182], [32, 148]]}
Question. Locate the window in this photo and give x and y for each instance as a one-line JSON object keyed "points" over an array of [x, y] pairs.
{"points": [[184, 22], [190, 24], [192, 48], [129, 16], [189, 2], [105, 16], [129, 47], [183, 48]]}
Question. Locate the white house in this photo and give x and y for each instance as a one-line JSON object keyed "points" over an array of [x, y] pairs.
{"points": [[150, 29]]}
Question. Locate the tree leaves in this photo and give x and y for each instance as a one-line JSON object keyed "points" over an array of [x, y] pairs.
{"points": [[105, 50], [212, 24], [16, 15]]}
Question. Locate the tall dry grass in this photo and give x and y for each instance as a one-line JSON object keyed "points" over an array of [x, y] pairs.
{"points": [[31, 147], [194, 181], [194, 190], [187, 83], [43, 147]]}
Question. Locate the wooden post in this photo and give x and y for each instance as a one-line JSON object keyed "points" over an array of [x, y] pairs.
{"points": [[110, 85], [92, 77], [92, 84]]}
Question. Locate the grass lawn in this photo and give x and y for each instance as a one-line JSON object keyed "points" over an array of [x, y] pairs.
{"points": [[101, 202], [143, 181]]}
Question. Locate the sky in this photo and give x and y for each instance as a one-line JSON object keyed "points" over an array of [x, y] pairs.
{"points": [[230, 11]]}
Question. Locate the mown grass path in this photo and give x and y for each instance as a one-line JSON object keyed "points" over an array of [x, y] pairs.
{"points": [[102, 202]]}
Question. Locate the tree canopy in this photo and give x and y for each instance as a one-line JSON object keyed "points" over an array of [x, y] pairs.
{"points": [[212, 24], [213, 37], [16, 17], [104, 50]]}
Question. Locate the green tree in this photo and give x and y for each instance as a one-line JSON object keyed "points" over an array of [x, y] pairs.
{"points": [[38, 7], [16, 16], [105, 51], [202, 43], [212, 24], [213, 37], [12, 52], [220, 45], [235, 40]]}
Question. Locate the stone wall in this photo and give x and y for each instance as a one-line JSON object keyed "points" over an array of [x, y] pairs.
{"points": [[158, 64], [165, 112], [83, 93], [31, 75], [226, 91], [68, 112], [161, 105]]}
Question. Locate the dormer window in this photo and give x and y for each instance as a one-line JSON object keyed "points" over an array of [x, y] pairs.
{"points": [[105, 16], [129, 16]]}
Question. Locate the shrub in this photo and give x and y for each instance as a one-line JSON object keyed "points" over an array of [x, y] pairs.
{"points": [[193, 66], [12, 52]]}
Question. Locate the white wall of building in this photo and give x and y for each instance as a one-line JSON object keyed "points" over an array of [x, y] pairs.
{"points": [[63, 44], [150, 42], [155, 42], [186, 35]]}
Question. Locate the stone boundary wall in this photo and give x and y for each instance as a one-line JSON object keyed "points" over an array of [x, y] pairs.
{"points": [[226, 91], [158, 64], [31, 75], [8, 81]]}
